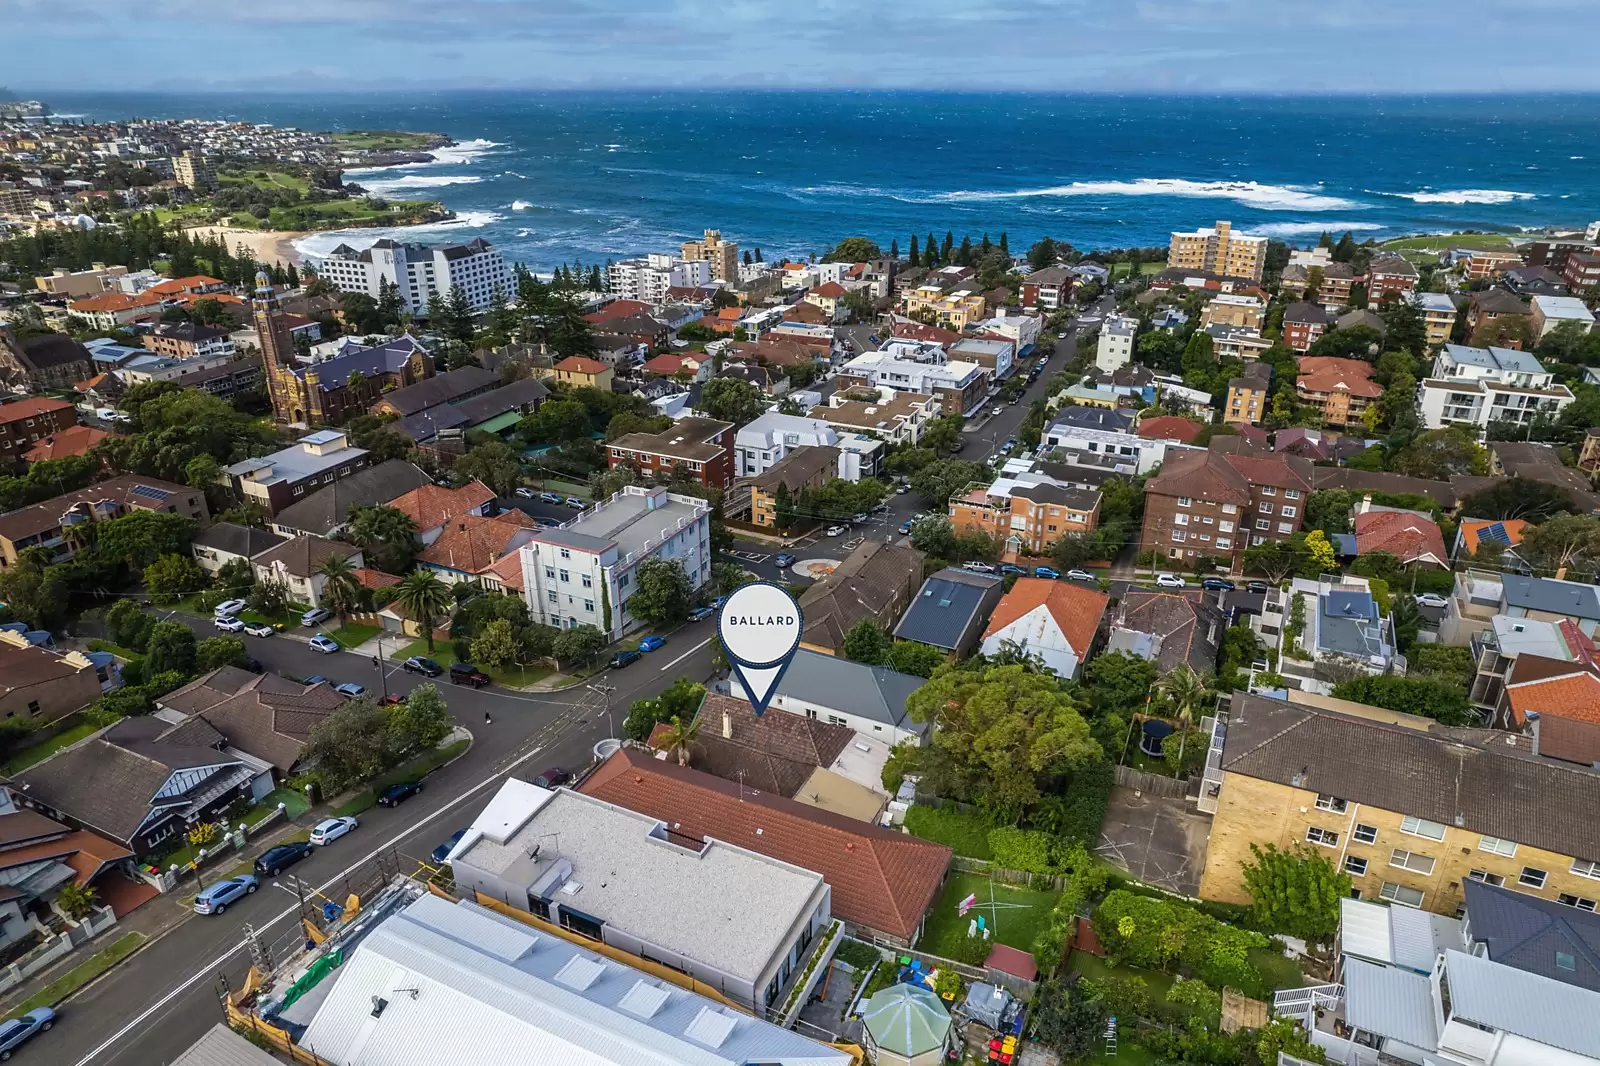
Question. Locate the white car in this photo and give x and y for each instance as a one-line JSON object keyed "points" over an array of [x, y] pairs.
{"points": [[259, 629], [1080, 575], [229, 607], [332, 829], [980, 567], [228, 623], [836, 531], [524, 493], [1432, 599], [1170, 581]]}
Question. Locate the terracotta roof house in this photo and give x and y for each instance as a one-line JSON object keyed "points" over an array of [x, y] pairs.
{"points": [[296, 563], [1170, 629], [875, 582], [39, 855], [263, 715], [471, 543], [505, 575], [1406, 535], [74, 440], [1170, 427], [1055, 620], [1470, 533], [618, 309], [1340, 389], [883, 881], [430, 507]]}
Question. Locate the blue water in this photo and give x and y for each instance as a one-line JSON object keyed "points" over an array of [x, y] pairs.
{"points": [[551, 177]]}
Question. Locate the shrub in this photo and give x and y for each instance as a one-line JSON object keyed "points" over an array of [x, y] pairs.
{"points": [[1166, 934], [965, 834], [1085, 804], [1023, 849]]}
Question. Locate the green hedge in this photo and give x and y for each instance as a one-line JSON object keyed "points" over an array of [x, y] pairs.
{"points": [[965, 834], [1086, 799]]}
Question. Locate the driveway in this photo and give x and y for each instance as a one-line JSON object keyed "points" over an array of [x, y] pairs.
{"points": [[1158, 840]]}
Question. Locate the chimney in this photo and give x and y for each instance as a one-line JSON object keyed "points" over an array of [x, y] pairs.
{"points": [[727, 726]]}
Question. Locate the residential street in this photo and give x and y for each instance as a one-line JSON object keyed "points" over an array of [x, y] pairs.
{"points": [[152, 1007]]}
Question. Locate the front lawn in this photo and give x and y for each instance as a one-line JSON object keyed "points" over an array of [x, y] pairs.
{"points": [[1279, 970], [40, 752], [413, 770], [444, 654], [1016, 918], [352, 635]]}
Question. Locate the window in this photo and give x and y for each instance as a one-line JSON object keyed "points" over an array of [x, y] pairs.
{"points": [[588, 605], [1230, 508], [1285, 527], [1331, 803], [1287, 511], [1406, 897], [1421, 827], [1268, 490], [1318, 835], [1262, 524], [1178, 536], [1531, 878], [550, 573], [1486, 877], [1180, 520], [1497, 846], [1410, 860], [1224, 527], [1565, 961], [1581, 867], [566, 575], [1224, 542], [1365, 834], [33, 706], [565, 554], [1293, 494], [588, 581], [1355, 867], [554, 598], [1567, 899], [1184, 501], [1265, 508]]}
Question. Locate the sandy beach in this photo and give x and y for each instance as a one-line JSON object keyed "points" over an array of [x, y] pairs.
{"points": [[268, 246]]}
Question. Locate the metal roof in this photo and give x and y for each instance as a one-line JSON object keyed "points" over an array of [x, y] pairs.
{"points": [[947, 607], [1536, 1008], [873, 692], [222, 1046], [1390, 1002], [1551, 596]]}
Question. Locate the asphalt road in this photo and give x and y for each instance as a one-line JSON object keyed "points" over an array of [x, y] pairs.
{"points": [[152, 1007]]}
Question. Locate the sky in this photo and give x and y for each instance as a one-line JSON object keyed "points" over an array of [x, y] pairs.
{"points": [[1292, 46]]}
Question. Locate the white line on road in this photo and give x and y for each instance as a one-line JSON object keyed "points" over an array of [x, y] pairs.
{"points": [[685, 655]]}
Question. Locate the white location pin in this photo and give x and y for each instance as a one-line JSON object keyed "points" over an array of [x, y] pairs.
{"points": [[760, 630]]}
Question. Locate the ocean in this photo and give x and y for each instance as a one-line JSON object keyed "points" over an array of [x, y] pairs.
{"points": [[553, 177]]}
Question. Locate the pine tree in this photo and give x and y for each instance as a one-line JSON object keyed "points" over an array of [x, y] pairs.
{"points": [[458, 315], [436, 311], [894, 248], [746, 257], [758, 254], [916, 259], [596, 284], [930, 251], [947, 247], [964, 257], [1005, 249], [292, 276], [985, 246]]}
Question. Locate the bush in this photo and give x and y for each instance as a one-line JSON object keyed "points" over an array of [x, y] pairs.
{"points": [[965, 834], [1444, 703], [1085, 804], [1166, 934], [1023, 849]]}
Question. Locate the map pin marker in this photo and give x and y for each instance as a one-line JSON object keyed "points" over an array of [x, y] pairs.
{"points": [[760, 629]]}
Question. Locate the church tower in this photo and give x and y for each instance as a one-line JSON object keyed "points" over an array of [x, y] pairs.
{"points": [[277, 354]]}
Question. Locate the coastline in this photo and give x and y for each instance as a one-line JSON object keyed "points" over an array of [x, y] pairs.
{"points": [[268, 246]]}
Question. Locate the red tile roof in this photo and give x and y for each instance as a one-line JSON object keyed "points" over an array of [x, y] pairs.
{"points": [[32, 407], [472, 542], [1169, 427], [619, 309], [668, 364], [880, 879], [115, 301], [1326, 373], [581, 364], [831, 289], [74, 440], [1406, 536], [188, 284], [374, 579], [1076, 610], [433, 505], [1574, 695]]}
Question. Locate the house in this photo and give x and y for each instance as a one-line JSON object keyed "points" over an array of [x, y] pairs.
{"points": [[874, 583], [1054, 620], [1341, 390], [282, 478], [761, 444], [1531, 281], [1170, 428], [1237, 342], [869, 700], [225, 542], [432, 507], [326, 511], [896, 419], [582, 573], [1551, 311], [960, 387], [143, 781], [46, 524], [448, 388], [497, 411], [1412, 811], [1169, 319], [1119, 452], [1530, 933], [43, 686], [1096, 418], [1049, 289], [826, 297], [685, 367], [1248, 396], [1317, 445], [1390, 277], [1438, 315], [1479, 595], [1220, 501], [296, 564], [1114, 347], [950, 610], [26, 422], [882, 882], [581, 372], [1472, 533], [768, 380], [807, 467], [1361, 317], [471, 543], [115, 310], [638, 880], [265, 716], [1170, 629], [189, 340], [1022, 330], [221, 1046], [45, 362], [1233, 309], [1026, 513], [1303, 323], [699, 446], [74, 440], [1528, 652]]}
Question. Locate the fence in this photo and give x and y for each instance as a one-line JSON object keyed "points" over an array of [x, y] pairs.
{"points": [[1008, 877], [56, 947], [1151, 784]]}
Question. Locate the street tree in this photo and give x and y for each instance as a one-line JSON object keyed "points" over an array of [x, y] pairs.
{"points": [[578, 645], [219, 651], [171, 577], [171, 647], [341, 589], [1272, 559], [351, 745], [494, 464], [420, 722], [497, 646]]}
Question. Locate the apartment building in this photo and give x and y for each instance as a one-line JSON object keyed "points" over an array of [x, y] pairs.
{"points": [[582, 572], [762, 444], [1237, 342], [1439, 314], [1583, 271], [1127, 452], [190, 340], [25, 422], [996, 355], [77, 284], [722, 255], [420, 271], [1223, 500], [959, 387], [1049, 289], [1219, 250], [1114, 347], [284, 477], [1233, 309], [698, 445], [1390, 277], [1410, 812], [806, 467], [648, 279], [1022, 330], [1249, 395], [1551, 311], [194, 171], [952, 309], [1338, 281], [1340, 389], [1483, 264], [1026, 513], [1488, 305], [897, 419], [46, 525], [1303, 323], [1477, 386]]}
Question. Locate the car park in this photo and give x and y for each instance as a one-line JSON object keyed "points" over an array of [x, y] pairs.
{"points": [[315, 617], [836, 531], [554, 777], [350, 690], [259, 629], [467, 674], [229, 607], [624, 658], [979, 567], [398, 793], [552, 497], [784, 560], [228, 623], [18, 1031], [1046, 571], [417, 664], [274, 860], [324, 644], [331, 829], [215, 897], [1170, 581], [442, 852], [1080, 575], [1432, 599], [700, 614], [652, 643], [1218, 584]]}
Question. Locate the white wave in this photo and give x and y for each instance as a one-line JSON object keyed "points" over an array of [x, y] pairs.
{"points": [[465, 151], [1574, 157], [1462, 196], [1248, 193], [1306, 229], [513, 174], [418, 181], [521, 205], [316, 245]]}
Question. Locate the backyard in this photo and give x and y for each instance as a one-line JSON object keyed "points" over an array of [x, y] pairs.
{"points": [[1016, 916], [39, 752]]}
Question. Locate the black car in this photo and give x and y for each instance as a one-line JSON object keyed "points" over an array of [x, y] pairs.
{"points": [[281, 858], [1257, 586], [467, 674], [442, 852], [623, 658], [419, 665], [554, 777], [254, 666], [1218, 583], [398, 793]]}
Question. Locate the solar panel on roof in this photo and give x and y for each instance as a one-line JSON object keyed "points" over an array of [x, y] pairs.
{"points": [[150, 492], [1496, 533]]}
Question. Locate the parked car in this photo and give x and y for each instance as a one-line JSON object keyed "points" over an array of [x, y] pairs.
{"points": [[1013, 568], [18, 1031], [315, 617], [314, 679], [624, 658], [836, 531], [274, 860], [467, 674], [324, 643], [1080, 575], [229, 607], [1046, 571], [398, 793], [228, 623], [700, 614], [259, 629], [994, 411], [979, 567], [350, 690], [326, 832], [442, 852], [551, 497], [419, 665], [716, 604], [784, 559], [858, 518], [554, 777], [905, 527], [252, 664], [652, 643], [1014, 400], [1432, 599], [215, 897], [575, 503], [1257, 586], [525, 493], [1170, 581], [1218, 583], [901, 489]]}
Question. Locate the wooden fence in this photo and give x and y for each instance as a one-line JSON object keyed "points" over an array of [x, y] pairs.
{"points": [[1005, 876], [1153, 784]]}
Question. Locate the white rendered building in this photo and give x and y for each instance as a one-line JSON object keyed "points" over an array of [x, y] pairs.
{"points": [[420, 271]]}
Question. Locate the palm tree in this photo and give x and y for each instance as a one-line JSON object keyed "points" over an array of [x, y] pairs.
{"points": [[387, 534], [342, 589], [424, 597], [1186, 693], [678, 737]]}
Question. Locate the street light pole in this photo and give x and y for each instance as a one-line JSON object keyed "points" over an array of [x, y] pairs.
{"points": [[377, 661], [606, 691]]}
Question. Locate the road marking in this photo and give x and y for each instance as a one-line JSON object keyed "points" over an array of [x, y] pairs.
{"points": [[685, 655]]}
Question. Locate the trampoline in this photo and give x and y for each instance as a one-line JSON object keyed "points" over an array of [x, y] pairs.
{"points": [[1152, 735]]}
